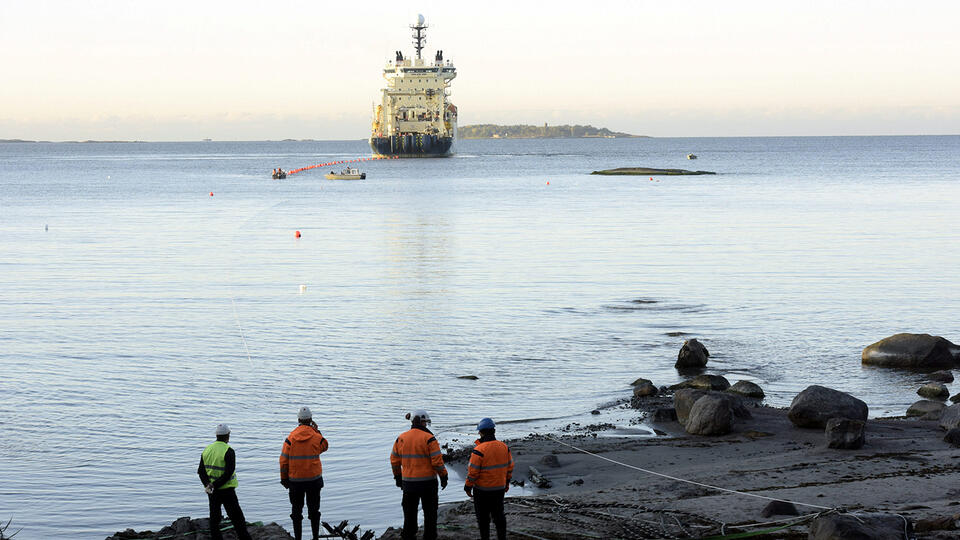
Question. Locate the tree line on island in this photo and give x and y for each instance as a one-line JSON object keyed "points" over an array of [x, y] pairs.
{"points": [[522, 131]]}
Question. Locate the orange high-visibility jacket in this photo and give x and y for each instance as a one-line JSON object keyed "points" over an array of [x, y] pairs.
{"points": [[416, 456], [300, 456], [491, 466]]}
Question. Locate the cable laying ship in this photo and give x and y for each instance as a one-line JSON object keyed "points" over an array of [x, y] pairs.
{"points": [[414, 118]]}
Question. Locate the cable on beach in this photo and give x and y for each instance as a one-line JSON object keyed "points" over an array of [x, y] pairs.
{"points": [[641, 469]]}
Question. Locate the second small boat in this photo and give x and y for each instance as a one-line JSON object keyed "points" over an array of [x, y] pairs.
{"points": [[347, 174]]}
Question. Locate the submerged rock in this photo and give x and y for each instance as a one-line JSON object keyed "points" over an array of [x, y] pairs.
{"points": [[913, 351], [692, 355], [815, 405], [747, 389], [844, 433]]}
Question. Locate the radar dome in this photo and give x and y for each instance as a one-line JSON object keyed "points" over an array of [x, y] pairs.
{"points": [[420, 19]]}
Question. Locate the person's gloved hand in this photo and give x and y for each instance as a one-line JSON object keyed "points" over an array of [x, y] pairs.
{"points": [[399, 481], [443, 482], [469, 491], [508, 486], [285, 483], [208, 488]]}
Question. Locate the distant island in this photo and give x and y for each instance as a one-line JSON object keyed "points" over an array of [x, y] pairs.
{"points": [[494, 131]]}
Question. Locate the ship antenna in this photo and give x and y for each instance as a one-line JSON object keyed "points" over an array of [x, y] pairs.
{"points": [[419, 34]]}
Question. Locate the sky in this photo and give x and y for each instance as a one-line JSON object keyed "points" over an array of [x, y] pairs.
{"points": [[254, 70]]}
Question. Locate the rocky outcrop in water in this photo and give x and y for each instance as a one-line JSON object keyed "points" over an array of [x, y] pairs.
{"points": [[912, 351], [816, 405], [692, 355]]}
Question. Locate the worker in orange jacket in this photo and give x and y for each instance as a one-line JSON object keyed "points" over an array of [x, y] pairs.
{"points": [[416, 463], [488, 479], [301, 471]]}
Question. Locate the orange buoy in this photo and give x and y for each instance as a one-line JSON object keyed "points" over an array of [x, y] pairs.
{"points": [[211, 194], [297, 234], [548, 183]]}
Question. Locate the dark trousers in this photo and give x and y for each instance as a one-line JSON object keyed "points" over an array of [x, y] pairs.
{"points": [[228, 499], [311, 492], [426, 493], [489, 504]]}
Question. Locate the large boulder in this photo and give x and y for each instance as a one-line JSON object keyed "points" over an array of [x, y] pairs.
{"points": [[950, 418], [862, 526], [747, 389], [692, 355], [926, 407], [814, 406], [710, 415], [913, 351], [685, 398], [844, 433]]}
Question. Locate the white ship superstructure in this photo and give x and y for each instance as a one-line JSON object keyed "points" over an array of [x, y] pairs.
{"points": [[414, 117]]}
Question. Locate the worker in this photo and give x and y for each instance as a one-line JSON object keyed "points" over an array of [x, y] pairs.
{"points": [[488, 479], [416, 463], [217, 471], [301, 472]]}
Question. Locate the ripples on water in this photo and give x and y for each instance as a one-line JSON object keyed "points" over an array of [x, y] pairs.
{"points": [[121, 347]]}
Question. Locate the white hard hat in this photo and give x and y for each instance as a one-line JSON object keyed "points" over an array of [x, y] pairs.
{"points": [[421, 414], [223, 429], [304, 413]]}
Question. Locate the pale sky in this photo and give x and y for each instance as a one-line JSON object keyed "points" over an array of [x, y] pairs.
{"points": [[253, 70]]}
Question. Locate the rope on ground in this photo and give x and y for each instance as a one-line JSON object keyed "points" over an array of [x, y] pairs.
{"points": [[685, 480]]}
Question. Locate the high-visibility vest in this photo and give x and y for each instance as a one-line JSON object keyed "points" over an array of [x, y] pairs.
{"points": [[300, 456], [491, 466], [214, 461], [416, 456]]}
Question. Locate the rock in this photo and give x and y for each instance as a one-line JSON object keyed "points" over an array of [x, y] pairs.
{"points": [[692, 355], [955, 398], [685, 398], [815, 405], [640, 381], [664, 415], [942, 376], [644, 390], [779, 508], [944, 523], [704, 382], [950, 418], [747, 389], [468, 377], [710, 415], [196, 529], [844, 433], [538, 479], [913, 351], [953, 437], [934, 390], [862, 526], [924, 407], [550, 460], [595, 412]]}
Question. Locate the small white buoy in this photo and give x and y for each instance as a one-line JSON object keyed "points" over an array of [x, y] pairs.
{"points": [[303, 289]]}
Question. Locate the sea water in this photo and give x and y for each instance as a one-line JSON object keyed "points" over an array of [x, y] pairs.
{"points": [[149, 291]]}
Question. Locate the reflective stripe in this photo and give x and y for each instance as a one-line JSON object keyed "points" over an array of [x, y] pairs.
{"points": [[488, 467], [418, 478], [472, 478], [477, 452], [437, 453], [284, 454], [306, 479], [488, 488], [315, 456], [394, 454], [414, 456]]}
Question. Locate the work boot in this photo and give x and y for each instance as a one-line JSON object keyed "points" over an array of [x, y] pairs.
{"points": [[315, 525], [298, 529]]}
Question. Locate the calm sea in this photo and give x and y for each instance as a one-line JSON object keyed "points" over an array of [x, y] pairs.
{"points": [[137, 311]]}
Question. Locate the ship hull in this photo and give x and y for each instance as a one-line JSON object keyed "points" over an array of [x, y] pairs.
{"points": [[412, 146]]}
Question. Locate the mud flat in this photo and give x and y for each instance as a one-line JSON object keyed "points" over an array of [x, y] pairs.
{"points": [[904, 468], [644, 171]]}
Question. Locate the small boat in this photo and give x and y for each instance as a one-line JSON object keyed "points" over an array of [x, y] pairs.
{"points": [[279, 174], [691, 156], [347, 174]]}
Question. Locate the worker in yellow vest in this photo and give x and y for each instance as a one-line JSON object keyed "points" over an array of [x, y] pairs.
{"points": [[488, 479], [217, 471]]}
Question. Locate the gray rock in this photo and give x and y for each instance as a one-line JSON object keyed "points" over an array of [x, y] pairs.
{"points": [[934, 390], [779, 508], [812, 407], [844, 433], [942, 376], [925, 407], [710, 415], [953, 437], [692, 355], [862, 526], [644, 390], [950, 418], [664, 415], [913, 351], [640, 381], [704, 382], [685, 398], [747, 389]]}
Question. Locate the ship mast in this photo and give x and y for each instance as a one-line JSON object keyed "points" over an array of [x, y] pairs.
{"points": [[419, 34]]}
